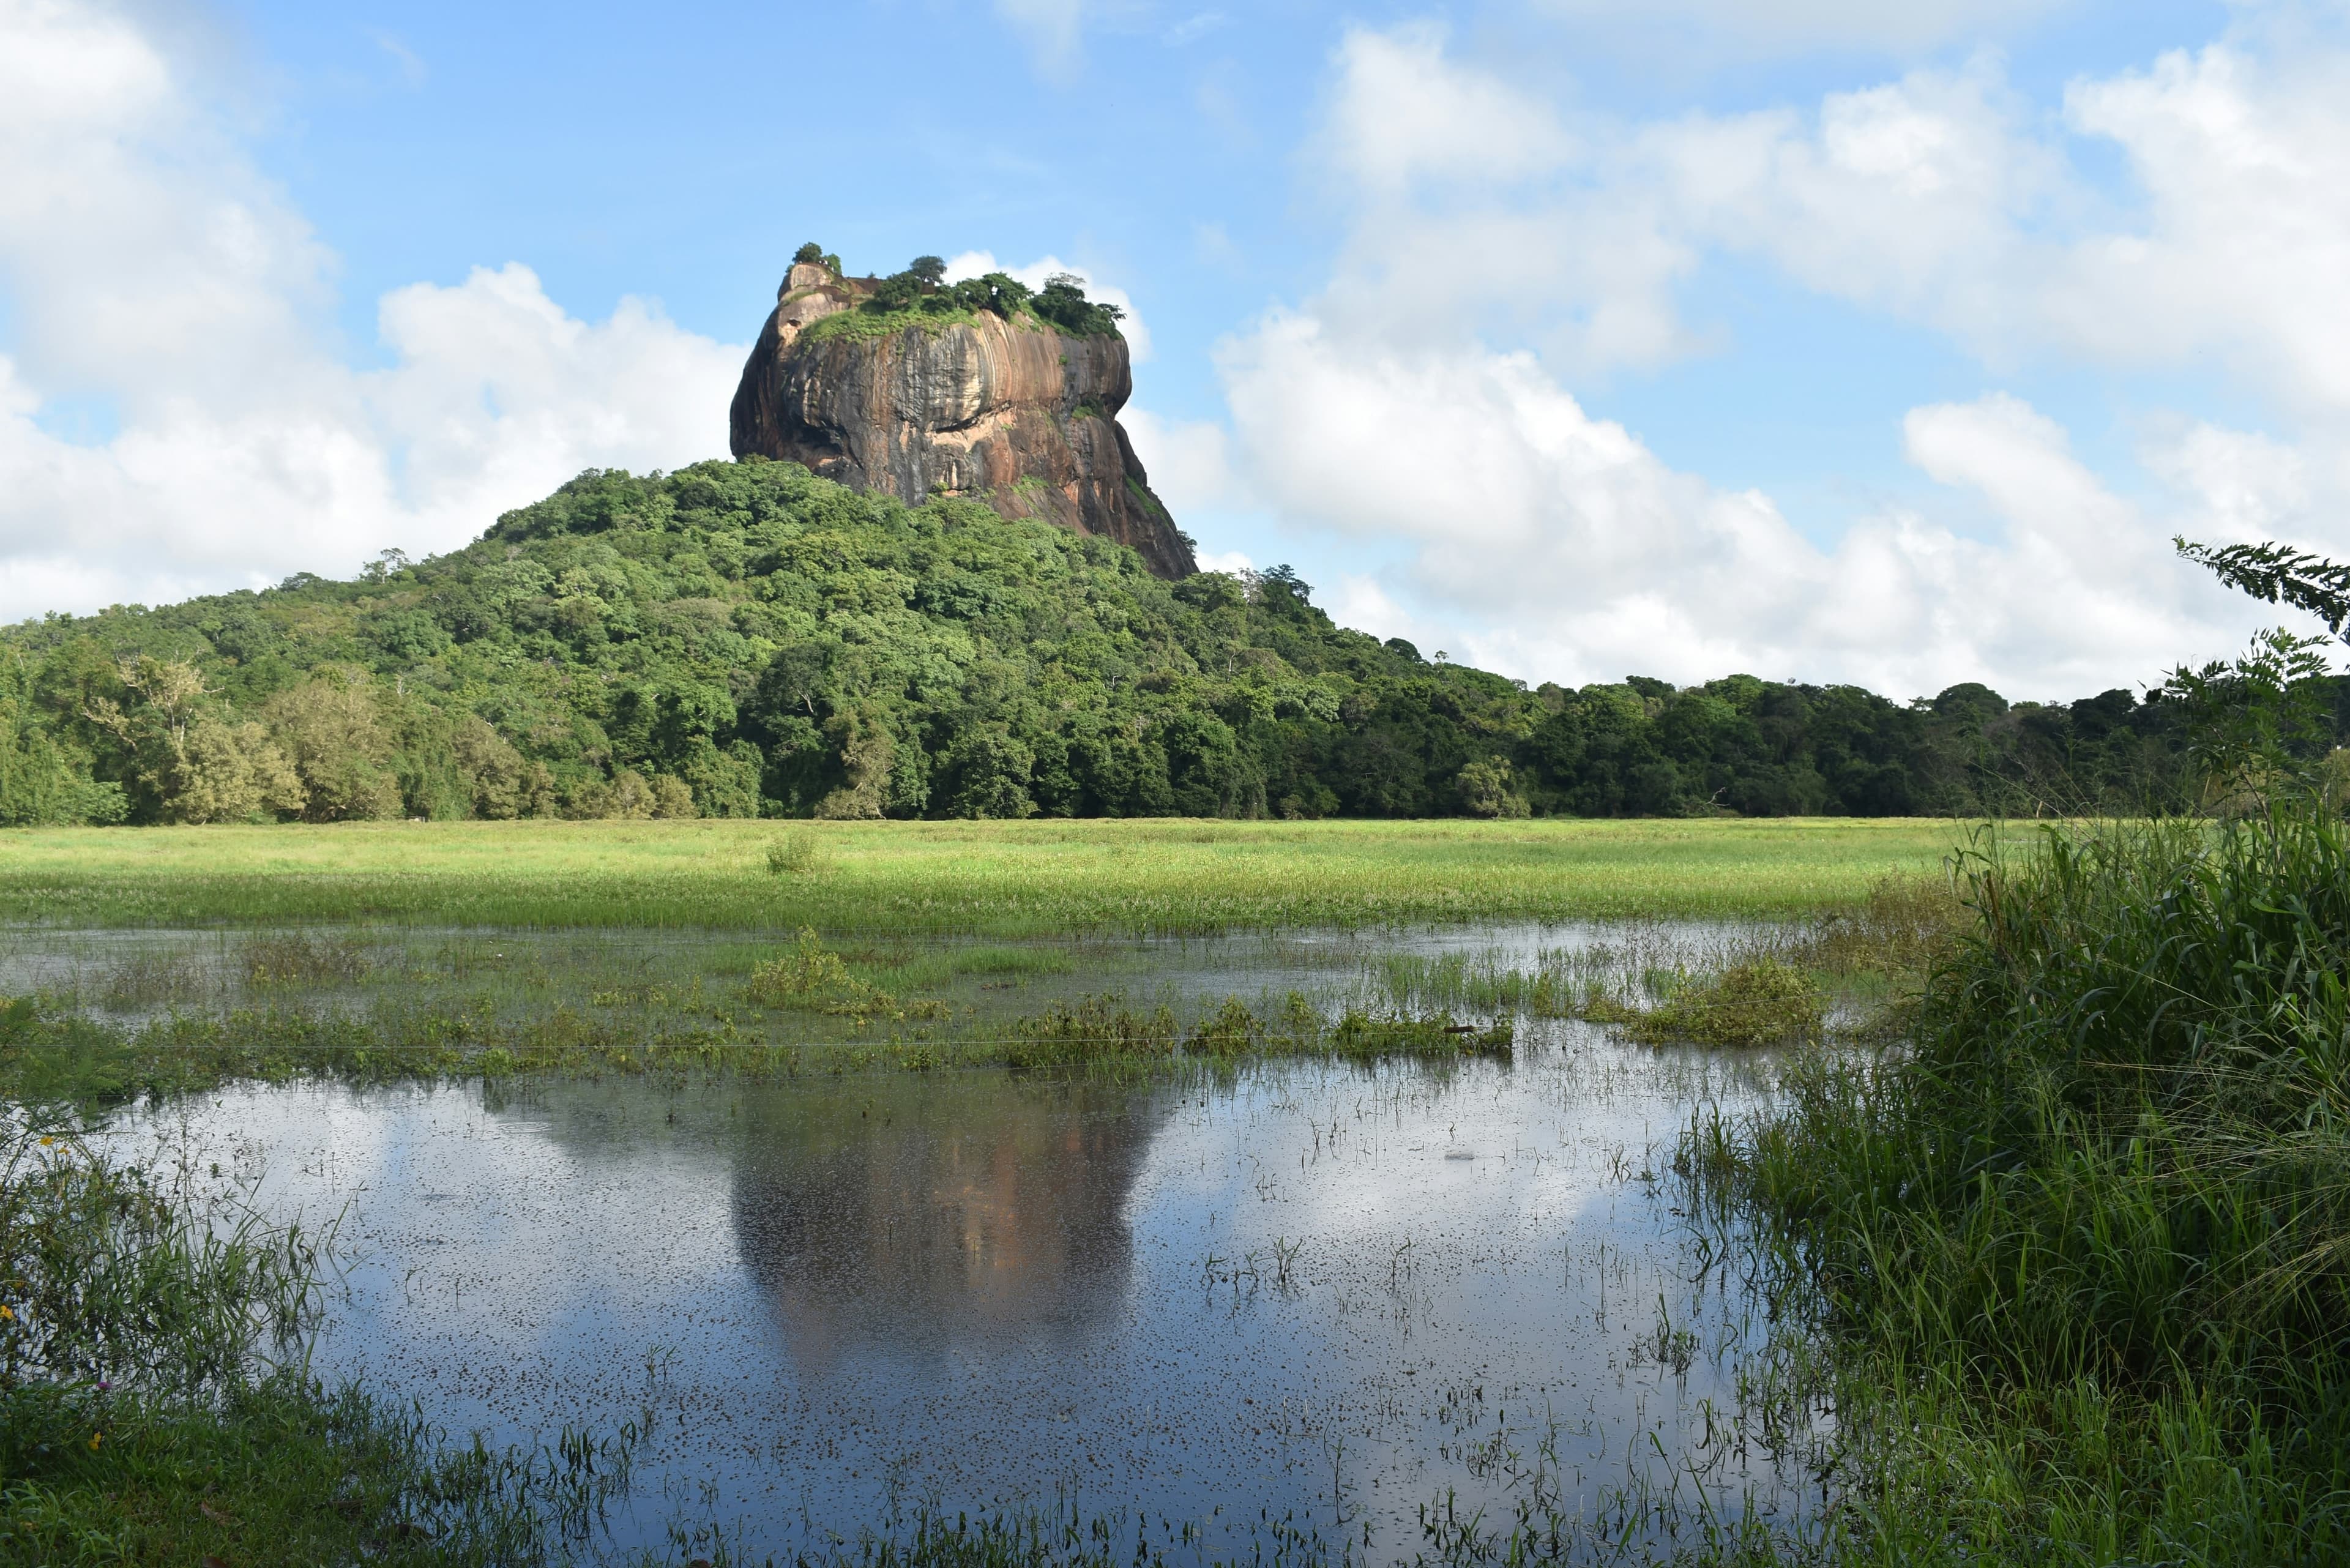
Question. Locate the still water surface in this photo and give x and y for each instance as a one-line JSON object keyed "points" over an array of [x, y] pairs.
{"points": [[1311, 1293]]}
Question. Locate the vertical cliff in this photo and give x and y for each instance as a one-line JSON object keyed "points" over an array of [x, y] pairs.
{"points": [[997, 404]]}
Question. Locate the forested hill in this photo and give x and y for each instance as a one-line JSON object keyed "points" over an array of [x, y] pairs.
{"points": [[744, 638]]}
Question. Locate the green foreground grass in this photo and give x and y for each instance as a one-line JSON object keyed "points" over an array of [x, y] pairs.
{"points": [[1007, 878], [2077, 1251]]}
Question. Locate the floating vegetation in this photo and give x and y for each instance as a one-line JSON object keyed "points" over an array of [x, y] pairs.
{"points": [[1733, 986], [814, 978], [1761, 1002], [1101, 1026], [142, 980], [300, 958], [1485, 983]]}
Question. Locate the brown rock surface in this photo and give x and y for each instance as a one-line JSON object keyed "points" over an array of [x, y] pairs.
{"points": [[1013, 414]]}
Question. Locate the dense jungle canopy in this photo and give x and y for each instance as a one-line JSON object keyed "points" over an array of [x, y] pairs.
{"points": [[745, 639]]}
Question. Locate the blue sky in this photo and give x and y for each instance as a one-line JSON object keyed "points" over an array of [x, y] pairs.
{"points": [[1827, 340]]}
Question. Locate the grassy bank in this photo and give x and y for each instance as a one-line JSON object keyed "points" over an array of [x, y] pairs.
{"points": [[996, 877], [2079, 1250]]}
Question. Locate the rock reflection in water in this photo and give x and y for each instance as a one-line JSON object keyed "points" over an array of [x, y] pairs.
{"points": [[1286, 1296], [915, 1219]]}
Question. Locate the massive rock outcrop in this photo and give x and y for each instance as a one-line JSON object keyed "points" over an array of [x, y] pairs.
{"points": [[1008, 410]]}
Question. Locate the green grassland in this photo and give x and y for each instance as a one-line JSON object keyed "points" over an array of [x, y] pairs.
{"points": [[1000, 878]]}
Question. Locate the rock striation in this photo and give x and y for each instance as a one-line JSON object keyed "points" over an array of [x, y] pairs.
{"points": [[1008, 410]]}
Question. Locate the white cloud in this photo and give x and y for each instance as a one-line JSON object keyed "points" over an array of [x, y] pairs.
{"points": [[2242, 486], [1444, 169], [1721, 26], [153, 269], [1405, 116], [1359, 601], [1053, 29], [1192, 28], [974, 264], [1189, 462], [1552, 544], [2243, 240], [1944, 198]]}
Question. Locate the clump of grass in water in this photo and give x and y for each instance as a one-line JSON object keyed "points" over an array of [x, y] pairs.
{"points": [[1481, 982], [1905, 926], [82, 1244], [2081, 1243], [1750, 987], [1102, 1028], [142, 980], [815, 979], [1760, 1001], [1091, 1029], [299, 957]]}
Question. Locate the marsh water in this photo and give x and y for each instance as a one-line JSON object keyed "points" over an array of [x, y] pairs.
{"points": [[1295, 1301]]}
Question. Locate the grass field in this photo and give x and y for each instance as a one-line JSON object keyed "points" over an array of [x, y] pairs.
{"points": [[995, 878]]}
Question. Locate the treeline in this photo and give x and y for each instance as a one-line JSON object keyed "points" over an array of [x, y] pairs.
{"points": [[740, 640]]}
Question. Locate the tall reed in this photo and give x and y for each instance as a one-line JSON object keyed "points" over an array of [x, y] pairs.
{"points": [[2085, 1233]]}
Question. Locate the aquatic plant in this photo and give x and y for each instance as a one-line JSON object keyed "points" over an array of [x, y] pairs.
{"points": [[1091, 1029], [1759, 1001], [303, 957]]}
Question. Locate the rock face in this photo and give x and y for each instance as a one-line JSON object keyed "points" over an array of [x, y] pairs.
{"points": [[1014, 413]]}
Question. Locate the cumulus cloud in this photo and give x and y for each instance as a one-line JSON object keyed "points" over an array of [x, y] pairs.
{"points": [[1948, 198], [1189, 461], [1786, 25], [156, 274], [1942, 195], [1553, 544]]}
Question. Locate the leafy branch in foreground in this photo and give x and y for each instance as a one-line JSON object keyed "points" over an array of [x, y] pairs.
{"points": [[2266, 717], [2275, 573]]}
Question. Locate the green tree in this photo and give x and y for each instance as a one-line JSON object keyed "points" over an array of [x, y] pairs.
{"points": [[331, 727]]}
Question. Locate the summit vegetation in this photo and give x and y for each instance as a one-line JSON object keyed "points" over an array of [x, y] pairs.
{"points": [[743, 639], [921, 296]]}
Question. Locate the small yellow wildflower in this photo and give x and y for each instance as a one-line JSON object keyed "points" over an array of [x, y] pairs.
{"points": [[48, 1141], [7, 1315], [94, 1437]]}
